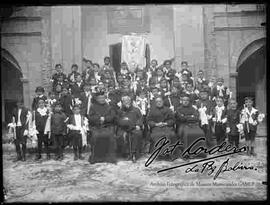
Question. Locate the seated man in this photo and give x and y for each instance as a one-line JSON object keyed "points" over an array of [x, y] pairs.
{"points": [[161, 122], [129, 130], [187, 120], [101, 121]]}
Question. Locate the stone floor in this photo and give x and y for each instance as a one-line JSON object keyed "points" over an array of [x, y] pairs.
{"points": [[70, 181]]}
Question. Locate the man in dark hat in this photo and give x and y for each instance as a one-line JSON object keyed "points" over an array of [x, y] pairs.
{"points": [[129, 132], [102, 121], [39, 95], [20, 118]]}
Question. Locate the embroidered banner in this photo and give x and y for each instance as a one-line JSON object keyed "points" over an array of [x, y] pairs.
{"points": [[133, 51]]}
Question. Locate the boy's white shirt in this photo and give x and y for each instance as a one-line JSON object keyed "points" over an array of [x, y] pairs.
{"points": [[78, 126], [219, 113], [42, 111], [248, 117], [19, 123]]}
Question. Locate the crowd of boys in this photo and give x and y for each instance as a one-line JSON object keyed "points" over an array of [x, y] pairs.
{"points": [[124, 114]]}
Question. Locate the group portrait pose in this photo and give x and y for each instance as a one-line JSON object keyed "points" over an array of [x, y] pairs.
{"points": [[123, 115]]}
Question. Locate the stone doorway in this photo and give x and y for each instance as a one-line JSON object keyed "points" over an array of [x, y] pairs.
{"points": [[251, 81], [12, 86]]}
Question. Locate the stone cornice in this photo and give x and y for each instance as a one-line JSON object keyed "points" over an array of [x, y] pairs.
{"points": [[239, 28], [239, 13], [21, 34], [22, 18]]}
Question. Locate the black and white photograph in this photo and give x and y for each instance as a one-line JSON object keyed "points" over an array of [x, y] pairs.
{"points": [[134, 103]]}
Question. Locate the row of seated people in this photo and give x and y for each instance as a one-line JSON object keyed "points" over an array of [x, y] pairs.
{"points": [[145, 89], [146, 124]]}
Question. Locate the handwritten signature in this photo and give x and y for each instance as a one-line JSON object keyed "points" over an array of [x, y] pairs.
{"points": [[210, 167], [163, 147]]}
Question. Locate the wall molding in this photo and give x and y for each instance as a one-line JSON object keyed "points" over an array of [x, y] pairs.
{"points": [[22, 18], [239, 28], [38, 33], [239, 13]]}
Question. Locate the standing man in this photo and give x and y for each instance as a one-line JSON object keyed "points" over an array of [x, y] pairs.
{"points": [[20, 118]]}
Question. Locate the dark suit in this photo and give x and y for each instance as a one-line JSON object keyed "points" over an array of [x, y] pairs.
{"points": [[85, 100], [233, 118], [66, 102], [40, 126], [72, 77], [132, 144], [35, 101], [76, 89], [220, 127], [20, 138]]}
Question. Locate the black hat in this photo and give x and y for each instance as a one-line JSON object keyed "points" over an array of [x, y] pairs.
{"points": [[20, 100], [204, 90], [167, 61], [127, 77], [57, 103], [185, 95], [40, 89], [74, 65], [77, 105], [98, 93], [184, 63], [107, 57], [159, 68], [220, 80], [249, 98]]}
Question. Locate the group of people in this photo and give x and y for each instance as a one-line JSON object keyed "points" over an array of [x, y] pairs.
{"points": [[125, 114]]}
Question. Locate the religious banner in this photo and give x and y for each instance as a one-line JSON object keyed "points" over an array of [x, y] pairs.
{"points": [[133, 51]]}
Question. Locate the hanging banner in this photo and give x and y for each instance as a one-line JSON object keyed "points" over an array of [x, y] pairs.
{"points": [[133, 51]]}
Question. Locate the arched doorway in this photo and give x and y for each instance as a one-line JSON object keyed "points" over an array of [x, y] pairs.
{"points": [[12, 87], [251, 80]]}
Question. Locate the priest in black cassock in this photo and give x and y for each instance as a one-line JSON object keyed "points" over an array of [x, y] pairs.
{"points": [[161, 122], [102, 125], [129, 130]]}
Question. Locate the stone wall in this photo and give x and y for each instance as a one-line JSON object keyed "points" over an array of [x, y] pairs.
{"points": [[21, 37], [96, 39], [229, 29]]}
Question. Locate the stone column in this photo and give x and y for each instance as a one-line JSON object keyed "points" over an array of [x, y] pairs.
{"points": [[26, 92], [188, 30], [46, 66], [66, 36], [3, 107], [209, 41]]}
